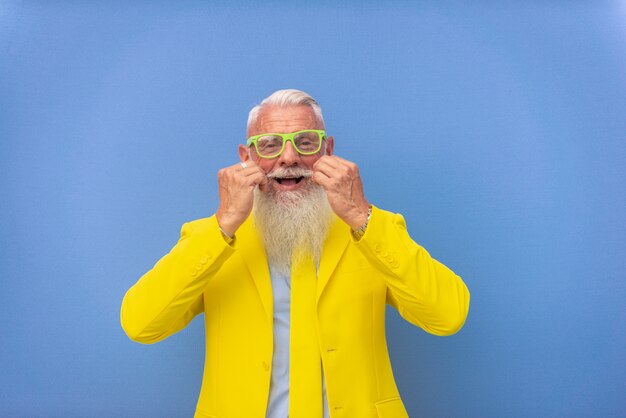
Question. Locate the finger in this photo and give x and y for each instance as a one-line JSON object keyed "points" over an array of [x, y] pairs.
{"points": [[257, 178], [250, 162], [322, 179], [342, 160], [326, 165], [332, 168], [243, 165], [264, 184], [325, 160], [251, 172]]}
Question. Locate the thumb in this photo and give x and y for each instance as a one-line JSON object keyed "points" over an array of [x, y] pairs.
{"points": [[264, 184]]}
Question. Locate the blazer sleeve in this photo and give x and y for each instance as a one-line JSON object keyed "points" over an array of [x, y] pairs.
{"points": [[169, 296], [425, 292]]}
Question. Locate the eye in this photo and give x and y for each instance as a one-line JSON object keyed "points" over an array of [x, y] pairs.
{"points": [[269, 143], [307, 141]]}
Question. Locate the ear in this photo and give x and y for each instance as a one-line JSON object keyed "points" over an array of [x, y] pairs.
{"points": [[330, 145], [244, 154]]}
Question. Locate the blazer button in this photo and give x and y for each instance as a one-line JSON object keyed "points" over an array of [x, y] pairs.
{"points": [[378, 248], [266, 366], [204, 259]]}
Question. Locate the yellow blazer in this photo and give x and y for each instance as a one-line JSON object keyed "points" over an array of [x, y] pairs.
{"points": [[231, 285]]}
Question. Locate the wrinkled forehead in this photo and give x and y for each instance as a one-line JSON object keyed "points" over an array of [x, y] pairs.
{"points": [[284, 119]]}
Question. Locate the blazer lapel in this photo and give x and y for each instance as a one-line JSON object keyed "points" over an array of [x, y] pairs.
{"points": [[334, 246], [252, 251]]}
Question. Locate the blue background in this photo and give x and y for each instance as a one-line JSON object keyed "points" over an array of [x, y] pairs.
{"points": [[499, 131]]}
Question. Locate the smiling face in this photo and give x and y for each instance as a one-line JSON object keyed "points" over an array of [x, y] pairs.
{"points": [[285, 172]]}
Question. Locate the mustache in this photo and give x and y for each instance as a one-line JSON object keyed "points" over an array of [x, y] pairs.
{"points": [[289, 172]]}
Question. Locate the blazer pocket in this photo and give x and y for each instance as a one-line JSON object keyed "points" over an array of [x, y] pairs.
{"points": [[391, 408]]}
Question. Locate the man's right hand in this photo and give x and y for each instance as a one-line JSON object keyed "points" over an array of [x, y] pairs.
{"points": [[236, 189]]}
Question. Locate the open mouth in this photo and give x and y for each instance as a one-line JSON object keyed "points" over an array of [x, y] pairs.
{"points": [[288, 181]]}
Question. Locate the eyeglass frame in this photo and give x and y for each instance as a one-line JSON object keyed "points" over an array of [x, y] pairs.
{"points": [[287, 137]]}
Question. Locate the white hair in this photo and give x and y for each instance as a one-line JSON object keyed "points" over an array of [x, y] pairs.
{"points": [[292, 224], [284, 98]]}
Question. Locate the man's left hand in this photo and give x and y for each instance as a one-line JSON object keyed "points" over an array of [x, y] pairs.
{"points": [[344, 188]]}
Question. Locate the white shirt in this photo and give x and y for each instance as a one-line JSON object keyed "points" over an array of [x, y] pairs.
{"points": [[278, 403]]}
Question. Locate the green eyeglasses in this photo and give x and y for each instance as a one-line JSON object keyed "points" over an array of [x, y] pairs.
{"points": [[306, 142]]}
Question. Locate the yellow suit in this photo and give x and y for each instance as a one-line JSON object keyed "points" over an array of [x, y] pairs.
{"points": [[231, 285]]}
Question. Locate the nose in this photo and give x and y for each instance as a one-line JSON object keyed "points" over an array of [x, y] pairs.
{"points": [[289, 155]]}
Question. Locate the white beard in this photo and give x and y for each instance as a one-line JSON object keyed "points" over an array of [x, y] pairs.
{"points": [[292, 224]]}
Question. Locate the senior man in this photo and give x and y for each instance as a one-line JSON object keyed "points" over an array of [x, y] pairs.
{"points": [[293, 273]]}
